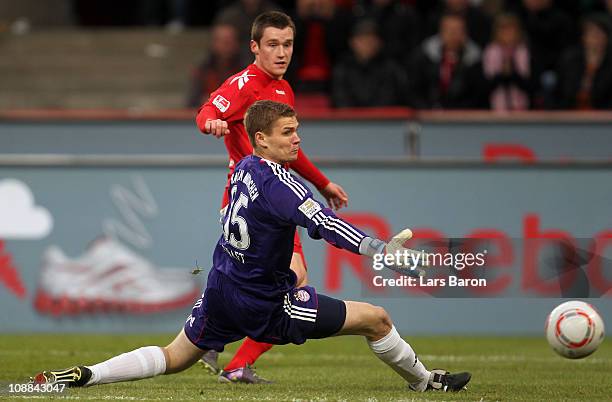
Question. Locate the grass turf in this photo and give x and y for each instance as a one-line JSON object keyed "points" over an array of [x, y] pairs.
{"points": [[504, 369]]}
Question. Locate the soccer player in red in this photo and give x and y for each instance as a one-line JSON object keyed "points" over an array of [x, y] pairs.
{"points": [[272, 36]]}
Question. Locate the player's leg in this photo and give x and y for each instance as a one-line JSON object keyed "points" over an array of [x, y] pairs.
{"points": [[144, 362], [198, 335], [250, 350], [374, 323]]}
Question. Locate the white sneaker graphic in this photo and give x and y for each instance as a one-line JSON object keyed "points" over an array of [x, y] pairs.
{"points": [[109, 277]]}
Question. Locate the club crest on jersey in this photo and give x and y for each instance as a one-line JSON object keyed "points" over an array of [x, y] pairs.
{"points": [[302, 295], [221, 103], [242, 79], [309, 207]]}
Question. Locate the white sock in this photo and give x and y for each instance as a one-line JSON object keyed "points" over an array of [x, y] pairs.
{"points": [[398, 354], [141, 363]]}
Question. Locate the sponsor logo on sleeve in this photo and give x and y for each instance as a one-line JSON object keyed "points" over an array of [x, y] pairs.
{"points": [[221, 103], [309, 207]]}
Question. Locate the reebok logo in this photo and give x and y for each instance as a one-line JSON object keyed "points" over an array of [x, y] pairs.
{"points": [[242, 79], [280, 92]]}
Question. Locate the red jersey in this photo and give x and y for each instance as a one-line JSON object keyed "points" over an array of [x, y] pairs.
{"points": [[231, 101]]}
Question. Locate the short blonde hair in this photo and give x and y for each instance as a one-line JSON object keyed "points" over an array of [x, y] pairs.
{"points": [[262, 115]]}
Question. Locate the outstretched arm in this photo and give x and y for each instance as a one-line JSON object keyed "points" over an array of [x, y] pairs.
{"points": [[392, 254], [293, 202]]}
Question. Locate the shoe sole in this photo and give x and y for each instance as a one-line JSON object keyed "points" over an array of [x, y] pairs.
{"points": [[212, 370], [225, 380]]}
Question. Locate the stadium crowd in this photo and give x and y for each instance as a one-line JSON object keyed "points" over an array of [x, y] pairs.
{"points": [[445, 54]]}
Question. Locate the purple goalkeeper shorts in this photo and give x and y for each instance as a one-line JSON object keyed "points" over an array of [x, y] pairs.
{"points": [[225, 314]]}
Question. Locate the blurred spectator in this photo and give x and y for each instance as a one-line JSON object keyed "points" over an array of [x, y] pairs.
{"points": [[549, 32], [241, 15], [585, 74], [398, 25], [506, 65], [171, 13], [445, 71], [223, 60], [492, 7], [322, 35], [478, 23], [367, 76], [608, 9]]}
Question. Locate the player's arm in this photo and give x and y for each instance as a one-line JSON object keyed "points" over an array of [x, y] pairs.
{"points": [[334, 194], [292, 201], [222, 106], [210, 122]]}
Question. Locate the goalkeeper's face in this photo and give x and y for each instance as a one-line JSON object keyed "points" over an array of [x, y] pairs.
{"points": [[274, 50], [282, 144]]}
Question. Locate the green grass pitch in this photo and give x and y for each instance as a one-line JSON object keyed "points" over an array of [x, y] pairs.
{"points": [[338, 369]]}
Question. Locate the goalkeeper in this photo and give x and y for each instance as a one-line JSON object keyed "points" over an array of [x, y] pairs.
{"points": [[251, 289]]}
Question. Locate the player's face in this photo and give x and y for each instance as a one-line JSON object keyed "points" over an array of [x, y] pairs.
{"points": [[283, 143], [274, 50]]}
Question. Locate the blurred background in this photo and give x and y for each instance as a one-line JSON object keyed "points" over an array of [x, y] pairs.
{"points": [[447, 54], [457, 118]]}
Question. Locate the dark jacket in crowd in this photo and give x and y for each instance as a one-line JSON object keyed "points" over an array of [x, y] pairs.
{"points": [[570, 75], [398, 26], [378, 82], [467, 89], [549, 33]]}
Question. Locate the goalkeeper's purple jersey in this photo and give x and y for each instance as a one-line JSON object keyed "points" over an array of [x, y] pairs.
{"points": [[266, 205]]}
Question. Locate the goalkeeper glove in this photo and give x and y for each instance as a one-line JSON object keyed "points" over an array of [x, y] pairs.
{"points": [[405, 260]]}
